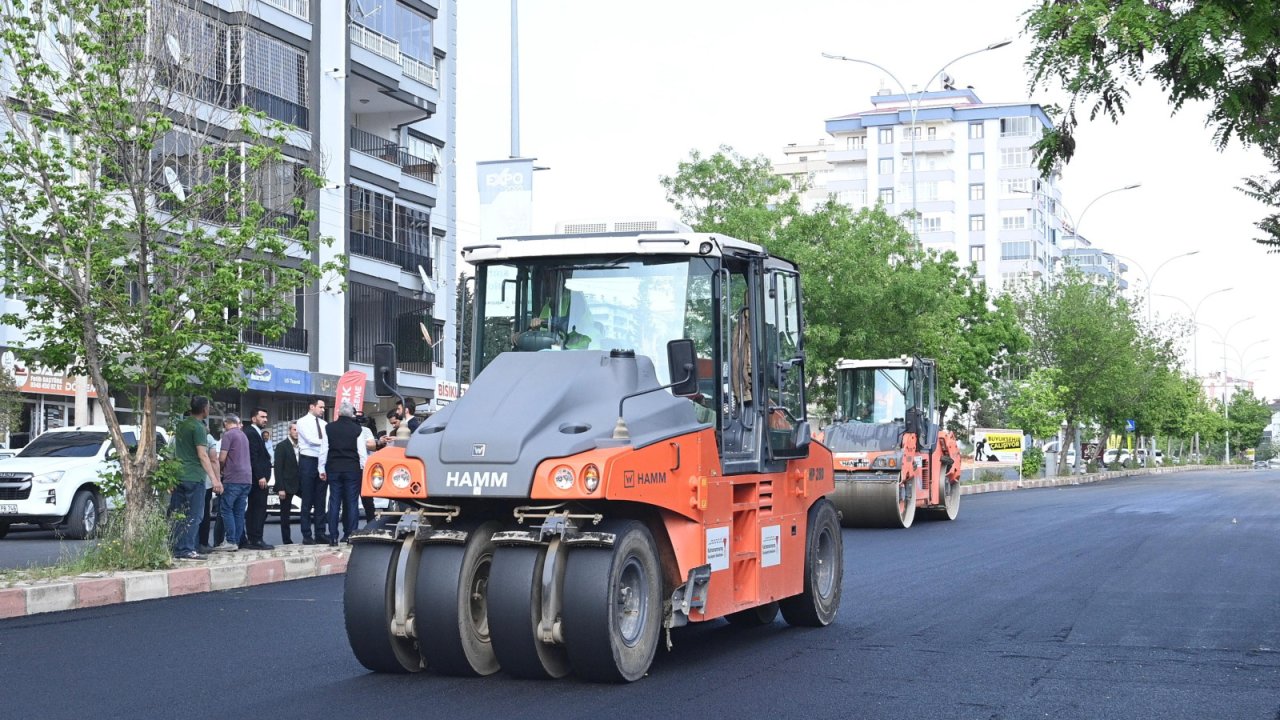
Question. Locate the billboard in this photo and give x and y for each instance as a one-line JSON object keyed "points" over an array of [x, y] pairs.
{"points": [[997, 446], [506, 197]]}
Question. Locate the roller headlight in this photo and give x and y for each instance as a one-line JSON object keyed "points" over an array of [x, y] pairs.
{"points": [[591, 478], [886, 462], [400, 477], [376, 477], [563, 477]]}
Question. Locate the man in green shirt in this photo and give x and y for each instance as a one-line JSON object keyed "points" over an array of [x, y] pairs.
{"points": [[191, 449]]}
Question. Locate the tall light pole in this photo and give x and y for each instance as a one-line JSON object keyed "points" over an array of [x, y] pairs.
{"points": [[1160, 267], [1226, 404], [915, 109], [1080, 218], [1195, 326]]}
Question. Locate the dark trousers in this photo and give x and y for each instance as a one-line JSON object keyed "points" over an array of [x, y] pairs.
{"points": [[211, 520], [344, 496], [255, 518], [187, 500], [286, 519], [312, 492], [369, 509]]}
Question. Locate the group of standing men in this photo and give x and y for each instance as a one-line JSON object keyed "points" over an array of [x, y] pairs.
{"points": [[317, 459]]}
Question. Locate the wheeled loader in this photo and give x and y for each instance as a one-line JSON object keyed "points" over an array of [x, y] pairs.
{"points": [[632, 455], [892, 458]]}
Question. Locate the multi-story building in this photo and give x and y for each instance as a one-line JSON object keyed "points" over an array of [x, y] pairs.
{"points": [[964, 166], [369, 92], [1100, 266]]}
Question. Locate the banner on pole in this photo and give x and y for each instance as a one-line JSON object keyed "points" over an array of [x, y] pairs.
{"points": [[350, 389], [997, 445]]}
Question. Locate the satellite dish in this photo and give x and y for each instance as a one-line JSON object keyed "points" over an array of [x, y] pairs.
{"points": [[175, 183], [948, 83], [175, 48], [426, 279]]}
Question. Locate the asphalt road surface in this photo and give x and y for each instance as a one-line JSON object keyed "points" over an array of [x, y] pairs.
{"points": [[1140, 598]]}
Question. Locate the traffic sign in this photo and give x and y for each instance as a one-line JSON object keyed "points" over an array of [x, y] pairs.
{"points": [[1130, 426]]}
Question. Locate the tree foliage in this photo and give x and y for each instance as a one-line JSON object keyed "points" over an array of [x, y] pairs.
{"points": [[1248, 417], [1223, 52], [150, 224], [869, 291], [1035, 405]]}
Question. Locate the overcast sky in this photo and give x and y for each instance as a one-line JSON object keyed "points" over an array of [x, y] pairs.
{"points": [[614, 95]]}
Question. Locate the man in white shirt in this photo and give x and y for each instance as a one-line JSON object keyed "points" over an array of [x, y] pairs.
{"points": [[313, 446]]}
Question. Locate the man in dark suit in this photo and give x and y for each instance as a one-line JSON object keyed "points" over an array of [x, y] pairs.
{"points": [[260, 462], [287, 483]]}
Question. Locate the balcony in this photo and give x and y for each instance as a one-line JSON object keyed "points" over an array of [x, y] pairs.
{"points": [[397, 254], [297, 8], [375, 146], [293, 340], [385, 47]]}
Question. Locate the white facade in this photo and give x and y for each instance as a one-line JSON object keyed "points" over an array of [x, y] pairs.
{"points": [[966, 167], [370, 93]]}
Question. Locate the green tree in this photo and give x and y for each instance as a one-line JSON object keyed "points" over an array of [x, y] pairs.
{"points": [[1087, 334], [1224, 52], [869, 291], [147, 230], [1036, 403], [1249, 416], [466, 317], [10, 404]]}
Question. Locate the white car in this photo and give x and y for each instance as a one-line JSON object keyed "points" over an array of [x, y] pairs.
{"points": [[54, 481], [1116, 455]]}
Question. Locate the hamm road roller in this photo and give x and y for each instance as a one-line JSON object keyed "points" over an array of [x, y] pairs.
{"points": [[632, 455], [891, 454]]}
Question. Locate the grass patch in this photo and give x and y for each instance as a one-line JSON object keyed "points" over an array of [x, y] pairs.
{"points": [[107, 553]]}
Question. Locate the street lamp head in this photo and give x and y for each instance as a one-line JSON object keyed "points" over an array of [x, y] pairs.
{"points": [[999, 44], [1132, 187]]}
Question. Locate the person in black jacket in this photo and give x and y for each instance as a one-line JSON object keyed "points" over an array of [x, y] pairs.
{"points": [[342, 466], [287, 484], [260, 463]]}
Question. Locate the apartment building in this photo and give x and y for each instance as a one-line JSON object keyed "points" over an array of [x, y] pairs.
{"points": [[368, 90], [1100, 266], [964, 166]]}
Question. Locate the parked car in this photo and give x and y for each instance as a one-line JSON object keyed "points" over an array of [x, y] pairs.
{"points": [[1158, 457], [1116, 455], [54, 481]]}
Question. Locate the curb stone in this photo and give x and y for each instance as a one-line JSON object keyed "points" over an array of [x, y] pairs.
{"points": [[222, 571], [1069, 480]]}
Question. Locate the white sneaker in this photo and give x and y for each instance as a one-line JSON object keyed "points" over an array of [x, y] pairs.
{"points": [[227, 547]]}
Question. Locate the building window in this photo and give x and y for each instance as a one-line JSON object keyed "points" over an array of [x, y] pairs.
{"points": [[1016, 127], [886, 166], [1016, 220], [975, 131], [852, 198], [886, 136], [413, 234], [911, 133], [371, 214], [1015, 251], [977, 191], [931, 224], [886, 196], [1020, 186], [413, 32], [274, 78], [1015, 157], [977, 223], [977, 253], [855, 142], [377, 316], [976, 161]]}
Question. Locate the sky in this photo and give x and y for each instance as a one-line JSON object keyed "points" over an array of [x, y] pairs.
{"points": [[614, 95]]}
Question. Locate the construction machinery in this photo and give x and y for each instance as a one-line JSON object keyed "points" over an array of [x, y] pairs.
{"points": [[892, 458], [632, 455]]}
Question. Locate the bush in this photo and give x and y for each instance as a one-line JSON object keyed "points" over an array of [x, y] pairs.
{"points": [[990, 476], [108, 551], [1032, 462], [1091, 467]]}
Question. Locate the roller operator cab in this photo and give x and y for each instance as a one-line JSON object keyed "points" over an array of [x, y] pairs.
{"points": [[891, 455], [632, 455]]}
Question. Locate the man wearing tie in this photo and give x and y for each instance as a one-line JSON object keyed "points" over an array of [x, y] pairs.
{"points": [[313, 446]]}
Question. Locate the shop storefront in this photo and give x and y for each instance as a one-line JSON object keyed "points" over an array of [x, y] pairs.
{"points": [[48, 400]]}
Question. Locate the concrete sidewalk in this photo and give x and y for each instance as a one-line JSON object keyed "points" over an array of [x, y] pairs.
{"points": [[226, 571], [222, 571]]}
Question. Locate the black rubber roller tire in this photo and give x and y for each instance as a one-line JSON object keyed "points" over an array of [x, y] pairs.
{"points": [[368, 605], [757, 616], [451, 615], [823, 571], [612, 613], [515, 605]]}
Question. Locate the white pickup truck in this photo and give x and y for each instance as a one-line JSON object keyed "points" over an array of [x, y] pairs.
{"points": [[53, 482]]}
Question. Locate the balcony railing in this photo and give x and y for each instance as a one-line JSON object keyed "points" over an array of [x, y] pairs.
{"points": [[363, 141], [398, 254], [293, 339], [426, 74], [375, 42], [300, 8]]}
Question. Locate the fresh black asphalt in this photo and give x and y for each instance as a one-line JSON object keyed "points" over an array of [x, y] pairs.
{"points": [[1149, 597]]}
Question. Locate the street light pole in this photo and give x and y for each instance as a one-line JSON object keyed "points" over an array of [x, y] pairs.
{"points": [[914, 104], [1226, 404], [1152, 280]]}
